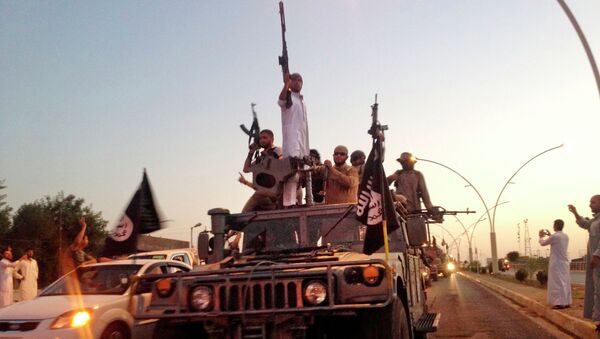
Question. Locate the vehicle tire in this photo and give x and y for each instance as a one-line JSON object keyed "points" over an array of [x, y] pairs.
{"points": [[116, 331], [390, 322], [435, 277]]}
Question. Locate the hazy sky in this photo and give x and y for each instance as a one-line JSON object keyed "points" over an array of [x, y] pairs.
{"points": [[91, 93]]}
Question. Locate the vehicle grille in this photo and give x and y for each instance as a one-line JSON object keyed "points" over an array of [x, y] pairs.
{"points": [[21, 326], [258, 295]]}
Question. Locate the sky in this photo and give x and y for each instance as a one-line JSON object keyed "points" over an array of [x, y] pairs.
{"points": [[91, 93]]}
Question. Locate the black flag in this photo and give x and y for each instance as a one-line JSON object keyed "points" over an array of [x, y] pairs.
{"points": [[375, 201], [140, 217]]}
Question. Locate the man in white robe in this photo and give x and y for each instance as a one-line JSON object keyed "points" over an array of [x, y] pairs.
{"points": [[294, 130], [559, 276], [29, 272], [591, 299], [7, 268]]}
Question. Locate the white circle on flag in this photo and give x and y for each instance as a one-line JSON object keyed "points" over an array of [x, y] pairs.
{"points": [[123, 230]]}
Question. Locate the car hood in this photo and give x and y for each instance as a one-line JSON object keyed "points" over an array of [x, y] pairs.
{"points": [[47, 307]]}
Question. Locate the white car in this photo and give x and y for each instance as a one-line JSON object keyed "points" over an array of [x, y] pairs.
{"points": [[90, 302]]}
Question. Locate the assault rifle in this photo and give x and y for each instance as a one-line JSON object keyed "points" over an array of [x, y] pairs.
{"points": [[283, 59], [254, 131], [376, 129]]}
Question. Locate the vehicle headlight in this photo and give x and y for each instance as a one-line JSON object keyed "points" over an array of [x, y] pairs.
{"points": [[372, 275], [424, 273], [73, 319], [451, 266], [315, 292], [201, 298]]}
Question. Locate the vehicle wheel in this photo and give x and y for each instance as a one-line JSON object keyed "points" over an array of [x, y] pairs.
{"points": [[116, 331], [435, 277], [390, 322]]}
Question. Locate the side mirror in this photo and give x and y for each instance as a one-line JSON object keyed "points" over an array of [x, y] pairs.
{"points": [[204, 249]]}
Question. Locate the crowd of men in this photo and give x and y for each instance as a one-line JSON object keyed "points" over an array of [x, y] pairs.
{"points": [[328, 182]]}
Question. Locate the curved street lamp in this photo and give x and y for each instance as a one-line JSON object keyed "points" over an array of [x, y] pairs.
{"points": [[474, 225], [492, 220], [487, 210], [586, 46]]}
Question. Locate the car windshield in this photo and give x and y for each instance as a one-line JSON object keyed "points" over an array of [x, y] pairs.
{"points": [[149, 256], [101, 279], [285, 234]]}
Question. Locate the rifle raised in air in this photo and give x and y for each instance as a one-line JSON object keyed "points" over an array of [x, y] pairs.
{"points": [[254, 131], [283, 59]]}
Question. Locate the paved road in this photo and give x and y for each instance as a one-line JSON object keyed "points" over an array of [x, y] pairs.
{"points": [[472, 311]]}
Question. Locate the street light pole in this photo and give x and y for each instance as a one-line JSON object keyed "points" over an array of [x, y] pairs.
{"points": [[493, 223], [192, 234], [487, 210], [586, 46]]}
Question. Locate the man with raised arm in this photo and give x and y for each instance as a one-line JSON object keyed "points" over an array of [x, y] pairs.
{"points": [[294, 128]]}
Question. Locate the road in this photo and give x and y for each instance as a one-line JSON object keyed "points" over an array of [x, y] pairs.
{"points": [[472, 311]]}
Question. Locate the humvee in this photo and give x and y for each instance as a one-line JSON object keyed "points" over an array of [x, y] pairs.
{"points": [[300, 273]]}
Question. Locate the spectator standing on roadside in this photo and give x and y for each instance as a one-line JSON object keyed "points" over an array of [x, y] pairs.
{"points": [[559, 275], [7, 270], [29, 270], [591, 299]]}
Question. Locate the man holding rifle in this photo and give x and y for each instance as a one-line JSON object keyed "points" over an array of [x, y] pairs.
{"points": [[294, 127]]}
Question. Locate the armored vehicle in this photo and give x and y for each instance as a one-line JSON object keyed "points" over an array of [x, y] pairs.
{"points": [[300, 273]]}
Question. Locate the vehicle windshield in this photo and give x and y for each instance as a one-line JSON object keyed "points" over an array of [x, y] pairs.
{"points": [[101, 279], [149, 256], [285, 234]]}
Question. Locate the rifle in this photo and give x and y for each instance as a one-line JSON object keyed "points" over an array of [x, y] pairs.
{"points": [[376, 129], [254, 131], [283, 59]]}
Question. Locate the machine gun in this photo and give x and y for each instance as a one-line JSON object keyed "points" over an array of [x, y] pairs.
{"points": [[436, 214], [254, 131], [283, 59]]}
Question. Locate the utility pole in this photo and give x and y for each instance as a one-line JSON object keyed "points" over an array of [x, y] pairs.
{"points": [[527, 239], [519, 236]]}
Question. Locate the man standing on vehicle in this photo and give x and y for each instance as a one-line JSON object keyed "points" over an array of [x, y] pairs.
{"points": [[410, 184], [294, 129], [29, 270], [559, 275], [260, 201], [342, 179], [591, 299]]}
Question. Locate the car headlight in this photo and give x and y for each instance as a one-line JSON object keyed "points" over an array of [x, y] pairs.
{"points": [[451, 266], [73, 319], [201, 298], [315, 292]]}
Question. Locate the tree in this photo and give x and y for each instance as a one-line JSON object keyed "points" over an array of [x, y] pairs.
{"points": [[38, 225], [4, 212], [513, 256]]}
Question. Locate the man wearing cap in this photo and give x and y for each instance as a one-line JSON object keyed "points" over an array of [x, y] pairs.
{"points": [[342, 179], [410, 184], [294, 130]]}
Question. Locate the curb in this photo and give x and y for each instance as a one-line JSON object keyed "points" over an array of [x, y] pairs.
{"points": [[566, 322]]}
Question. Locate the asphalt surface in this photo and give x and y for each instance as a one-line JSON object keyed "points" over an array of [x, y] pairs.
{"points": [[472, 311]]}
